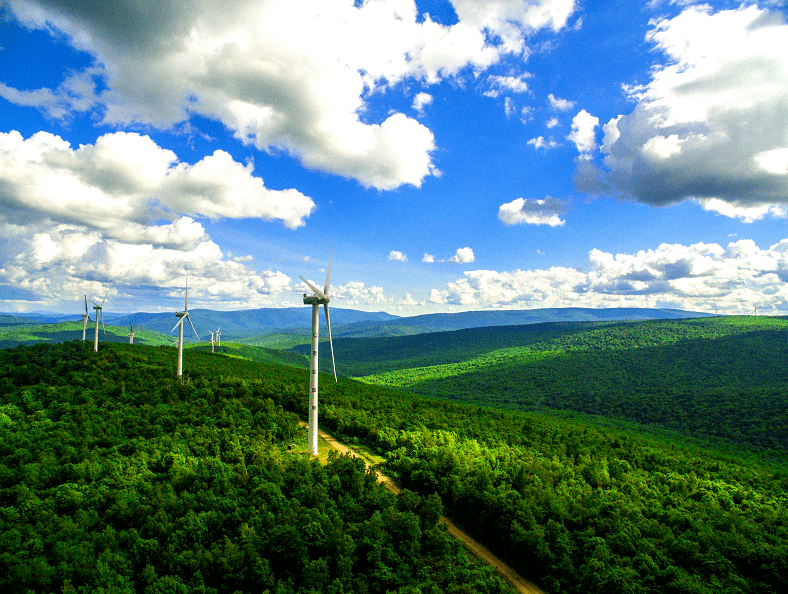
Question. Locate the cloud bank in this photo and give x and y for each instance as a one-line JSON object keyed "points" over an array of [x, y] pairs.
{"points": [[283, 76], [712, 123]]}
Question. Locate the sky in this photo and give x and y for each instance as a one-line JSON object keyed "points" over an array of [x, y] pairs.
{"points": [[455, 155]]}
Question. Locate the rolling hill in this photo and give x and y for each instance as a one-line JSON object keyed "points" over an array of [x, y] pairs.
{"points": [[717, 378], [116, 476]]}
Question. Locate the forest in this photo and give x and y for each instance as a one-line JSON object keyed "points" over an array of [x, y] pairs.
{"points": [[116, 477], [719, 379]]}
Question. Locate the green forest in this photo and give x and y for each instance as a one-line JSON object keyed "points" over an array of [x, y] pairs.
{"points": [[715, 378], [115, 477]]}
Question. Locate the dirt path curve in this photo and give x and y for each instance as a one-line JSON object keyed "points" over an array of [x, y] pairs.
{"points": [[509, 575]]}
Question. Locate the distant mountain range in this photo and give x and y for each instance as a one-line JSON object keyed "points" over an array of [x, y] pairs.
{"points": [[241, 324]]}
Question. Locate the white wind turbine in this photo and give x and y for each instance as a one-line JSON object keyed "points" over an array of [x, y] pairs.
{"points": [[219, 337], [183, 315], [131, 336], [319, 298], [85, 319], [99, 312], [212, 341]]}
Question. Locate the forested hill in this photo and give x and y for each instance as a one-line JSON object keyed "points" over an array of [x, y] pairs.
{"points": [[116, 477], [717, 378]]}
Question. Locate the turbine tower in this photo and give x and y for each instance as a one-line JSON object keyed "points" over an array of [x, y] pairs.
{"points": [[183, 315], [131, 336], [85, 319], [318, 299], [99, 312], [212, 341], [219, 337]]}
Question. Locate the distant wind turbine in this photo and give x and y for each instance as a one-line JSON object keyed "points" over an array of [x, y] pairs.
{"points": [[85, 319], [212, 341], [319, 298], [183, 315], [131, 336], [99, 313], [219, 337]]}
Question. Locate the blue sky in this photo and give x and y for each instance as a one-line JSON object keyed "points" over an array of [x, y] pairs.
{"points": [[458, 155]]}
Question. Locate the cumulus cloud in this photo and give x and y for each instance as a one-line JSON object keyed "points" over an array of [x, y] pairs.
{"points": [[712, 123], [547, 211], [540, 143], [420, 101], [125, 181], [123, 210], [283, 76], [63, 261], [356, 293], [512, 84], [696, 277], [560, 104], [398, 256], [429, 258], [583, 133], [463, 256]]}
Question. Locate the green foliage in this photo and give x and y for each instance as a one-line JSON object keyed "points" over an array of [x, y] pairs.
{"points": [[577, 508], [29, 334], [115, 477], [719, 378]]}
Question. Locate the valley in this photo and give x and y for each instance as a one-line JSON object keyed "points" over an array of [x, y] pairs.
{"points": [[596, 456]]}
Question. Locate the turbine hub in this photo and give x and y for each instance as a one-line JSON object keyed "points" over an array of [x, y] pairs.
{"points": [[315, 300]]}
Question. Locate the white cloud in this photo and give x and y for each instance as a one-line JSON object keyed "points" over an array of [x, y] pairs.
{"points": [[125, 181], [356, 293], [463, 256], [712, 123], [696, 277], [509, 106], [547, 211], [540, 142], [526, 114], [398, 256], [552, 123], [283, 76], [420, 101], [583, 133], [746, 213], [513, 84], [61, 262], [122, 211], [560, 104], [428, 258]]}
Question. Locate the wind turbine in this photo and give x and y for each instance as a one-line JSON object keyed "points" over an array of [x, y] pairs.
{"points": [[211, 333], [85, 318], [183, 315], [131, 336], [318, 299], [99, 312], [219, 337]]}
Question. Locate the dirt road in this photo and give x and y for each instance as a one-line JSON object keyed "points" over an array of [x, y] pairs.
{"points": [[509, 575]]}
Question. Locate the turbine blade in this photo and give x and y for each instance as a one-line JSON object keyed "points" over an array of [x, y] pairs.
{"points": [[330, 342], [317, 291], [176, 325], [192, 325], [86, 304], [101, 312], [105, 297], [328, 274], [186, 301]]}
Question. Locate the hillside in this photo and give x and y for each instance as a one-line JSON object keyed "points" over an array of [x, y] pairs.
{"points": [[714, 377], [113, 475]]}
